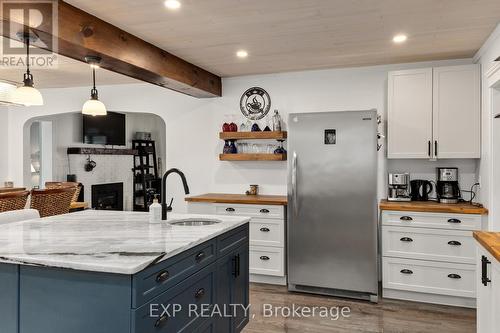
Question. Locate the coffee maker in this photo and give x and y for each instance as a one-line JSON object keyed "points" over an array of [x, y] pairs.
{"points": [[448, 190], [399, 187]]}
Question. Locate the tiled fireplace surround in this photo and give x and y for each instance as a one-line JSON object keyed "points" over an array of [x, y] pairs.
{"points": [[109, 169]]}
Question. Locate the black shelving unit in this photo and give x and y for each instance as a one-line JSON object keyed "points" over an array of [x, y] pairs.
{"points": [[147, 183]]}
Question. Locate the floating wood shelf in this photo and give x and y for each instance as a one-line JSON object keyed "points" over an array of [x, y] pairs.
{"points": [[252, 157], [252, 135], [100, 151]]}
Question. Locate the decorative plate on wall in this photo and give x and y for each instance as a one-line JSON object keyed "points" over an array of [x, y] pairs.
{"points": [[255, 103]]}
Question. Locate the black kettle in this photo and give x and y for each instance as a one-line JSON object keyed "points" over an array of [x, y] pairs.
{"points": [[420, 189]]}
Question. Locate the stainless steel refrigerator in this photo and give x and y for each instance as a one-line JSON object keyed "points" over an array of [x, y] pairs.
{"points": [[332, 203]]}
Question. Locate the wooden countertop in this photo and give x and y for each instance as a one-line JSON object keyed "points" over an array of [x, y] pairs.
{"points": [[280, 200], [432, 207], [490, 241]]}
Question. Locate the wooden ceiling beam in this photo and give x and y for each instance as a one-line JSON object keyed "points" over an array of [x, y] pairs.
{"points": [[80, 34]]}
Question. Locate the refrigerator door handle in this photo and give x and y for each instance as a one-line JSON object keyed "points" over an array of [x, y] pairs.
{"points": [[294, 183]]}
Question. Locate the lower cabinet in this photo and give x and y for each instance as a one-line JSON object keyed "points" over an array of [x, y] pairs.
{"points": [[488, 292], [232, 291]]}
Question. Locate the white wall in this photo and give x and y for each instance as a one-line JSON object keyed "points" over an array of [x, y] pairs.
{"points": [[4, 144], [192, 125], [312, 91]]}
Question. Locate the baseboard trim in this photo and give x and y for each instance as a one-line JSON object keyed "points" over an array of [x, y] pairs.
{"points": [[429, 298], [278, 280]]}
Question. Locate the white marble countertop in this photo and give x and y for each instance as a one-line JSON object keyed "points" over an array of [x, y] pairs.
{"points": [[104, 241]]}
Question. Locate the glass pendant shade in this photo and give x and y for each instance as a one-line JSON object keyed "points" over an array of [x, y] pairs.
{"points": [[94, 107], [27, 96]]}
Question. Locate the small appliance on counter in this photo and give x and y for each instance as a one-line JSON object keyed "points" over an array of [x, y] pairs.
{"points": [[399, 187], [420, 189], [448, 190]]}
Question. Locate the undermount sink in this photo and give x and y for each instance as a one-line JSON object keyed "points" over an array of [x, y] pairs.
{"points": [[194, 222]]}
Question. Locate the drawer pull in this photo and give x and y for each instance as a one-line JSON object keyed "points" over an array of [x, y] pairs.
{"points": [[406, 218], [162, 276], [264, 210], [454, 221], [200, 293], [264, 229], [264, 258], [484, 271], [406, 271], [454, 243], [161, 321], [200, 256], [454, 276], [230, 209], [406, 239]]}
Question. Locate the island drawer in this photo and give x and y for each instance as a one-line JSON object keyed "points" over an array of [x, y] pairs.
{"points": [[429, 277], [267, 232], [428, 244], [232, 240], [177, 309], [156, 279], [262, 211], [432, 220]]}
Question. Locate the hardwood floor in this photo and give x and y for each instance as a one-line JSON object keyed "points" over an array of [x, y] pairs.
{"points": [[387, 316]]}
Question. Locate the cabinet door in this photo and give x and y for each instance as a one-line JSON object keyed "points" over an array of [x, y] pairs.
{"points": [[409, 132], [240, 289], [484, 294], [456, 112], [495, 296]]}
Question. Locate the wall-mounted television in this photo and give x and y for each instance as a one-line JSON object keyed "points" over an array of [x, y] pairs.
{"points": [[104, 130]]}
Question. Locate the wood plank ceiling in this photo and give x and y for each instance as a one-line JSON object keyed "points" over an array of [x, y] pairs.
{"points": [[290, 35]]}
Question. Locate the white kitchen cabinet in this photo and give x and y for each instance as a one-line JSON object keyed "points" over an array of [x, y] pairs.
{"points": [[456, 112], [434, 113], [429, 257], [409, 130], [488, 292]]}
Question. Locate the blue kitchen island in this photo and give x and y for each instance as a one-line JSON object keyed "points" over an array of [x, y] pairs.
{"points": [[113, 272]]}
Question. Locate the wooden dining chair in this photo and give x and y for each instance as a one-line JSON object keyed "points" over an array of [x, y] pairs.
{"points": [[13, 200], [77, 186], [50, 202]]}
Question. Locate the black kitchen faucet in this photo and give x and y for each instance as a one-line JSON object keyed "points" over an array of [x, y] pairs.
{"points": [[164, 206]]}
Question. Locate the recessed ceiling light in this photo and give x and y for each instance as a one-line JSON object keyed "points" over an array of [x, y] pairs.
{"points": [[242, 54], [401, 38], [172, 4]]}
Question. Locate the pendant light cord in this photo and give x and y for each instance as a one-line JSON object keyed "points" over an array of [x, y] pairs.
{"points": [[28, 55], [93, 92]]}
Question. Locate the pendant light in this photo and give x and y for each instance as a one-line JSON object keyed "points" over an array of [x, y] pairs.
{"points": [[94, 107], [26, 94]]}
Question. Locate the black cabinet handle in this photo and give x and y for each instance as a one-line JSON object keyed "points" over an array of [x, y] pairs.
{"points": [[429, 148], [406, 218], [236, 265], [264, 258], [435, 148], [161, 321], [406, 271], [200, 293], [454, 276], [162, 276], [200, 256], [406, 239], [264, 229], [454, 221], [454, 243], [484, 270], [230, 209], [263, 210]]}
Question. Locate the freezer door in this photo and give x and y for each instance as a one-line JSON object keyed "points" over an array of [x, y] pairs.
{"points": [[332, 192]]}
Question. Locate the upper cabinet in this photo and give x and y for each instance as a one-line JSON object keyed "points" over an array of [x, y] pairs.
{"points": [[434, 113]]}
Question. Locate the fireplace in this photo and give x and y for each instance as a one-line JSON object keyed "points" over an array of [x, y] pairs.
{"points": [[107, 196]]}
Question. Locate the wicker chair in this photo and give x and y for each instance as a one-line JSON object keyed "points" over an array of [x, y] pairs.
{"points": [[13, 200], [78, 186], [50, 202]]}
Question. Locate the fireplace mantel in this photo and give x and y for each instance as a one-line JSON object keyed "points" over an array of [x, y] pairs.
{"points": [[100, 151]]}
